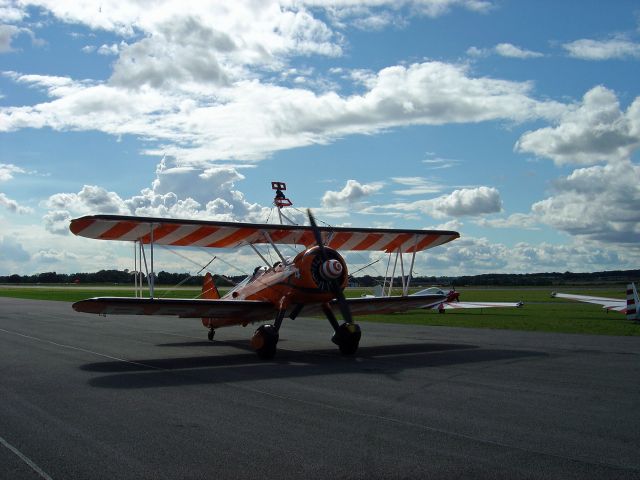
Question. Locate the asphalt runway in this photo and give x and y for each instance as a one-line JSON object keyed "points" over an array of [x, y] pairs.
{"points": [[138, 397]]}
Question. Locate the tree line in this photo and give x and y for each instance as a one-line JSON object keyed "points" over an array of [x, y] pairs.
{"points": [[126, 277]]}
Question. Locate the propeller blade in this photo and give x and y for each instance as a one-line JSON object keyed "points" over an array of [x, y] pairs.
{"points": [[335, 287], [317, 234]]}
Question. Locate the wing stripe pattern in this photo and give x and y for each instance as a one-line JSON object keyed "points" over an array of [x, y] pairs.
{"points": [[194, 237], [230, 234]]}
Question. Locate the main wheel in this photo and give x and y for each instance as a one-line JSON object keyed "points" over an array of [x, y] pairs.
{"points": [[264, 341], [347, 337], [211, 334]]}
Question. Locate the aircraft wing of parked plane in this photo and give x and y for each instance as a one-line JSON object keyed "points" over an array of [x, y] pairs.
{"points": [[452, 301], [628, 306]]}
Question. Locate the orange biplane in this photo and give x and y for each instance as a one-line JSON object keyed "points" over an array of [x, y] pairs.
{"points": [[313, 280]]}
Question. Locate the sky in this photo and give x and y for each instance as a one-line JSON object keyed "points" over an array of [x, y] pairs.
{"points": [[515, 123]]}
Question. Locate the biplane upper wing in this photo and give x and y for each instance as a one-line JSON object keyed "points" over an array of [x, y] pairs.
{"points": [[165, 231], [607, 303]]}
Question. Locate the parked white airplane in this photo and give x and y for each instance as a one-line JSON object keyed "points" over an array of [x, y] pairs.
{"points": [[453, 302], [628, 306]]}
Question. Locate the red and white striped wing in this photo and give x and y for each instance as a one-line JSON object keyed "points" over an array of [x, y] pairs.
{"points": [[211, 234]]}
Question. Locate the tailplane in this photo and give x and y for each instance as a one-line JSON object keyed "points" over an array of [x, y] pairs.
{"points": [[209, 290], [633, 304]]}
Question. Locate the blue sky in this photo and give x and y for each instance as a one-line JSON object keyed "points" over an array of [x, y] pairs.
{"points": [[515, 123]]}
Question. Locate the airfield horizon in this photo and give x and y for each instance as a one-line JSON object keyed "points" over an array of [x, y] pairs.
{"points": [[539, 313]]}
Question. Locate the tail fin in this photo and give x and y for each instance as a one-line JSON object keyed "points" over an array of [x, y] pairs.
{"points": [[633, 305], [209, 290]]}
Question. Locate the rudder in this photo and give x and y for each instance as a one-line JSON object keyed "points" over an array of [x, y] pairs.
{"points": [[632, 302], [209, 290]]}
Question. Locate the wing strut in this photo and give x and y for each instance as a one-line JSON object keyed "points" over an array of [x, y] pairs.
{"points": [[151, 278], [268, 238], [255, 249], [413, 257]]}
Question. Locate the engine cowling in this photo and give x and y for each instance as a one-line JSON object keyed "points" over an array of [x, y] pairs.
{"points": [[317, 273]]}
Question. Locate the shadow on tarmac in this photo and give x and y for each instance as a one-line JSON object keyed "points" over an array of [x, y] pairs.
{"points": [[225, 368]]}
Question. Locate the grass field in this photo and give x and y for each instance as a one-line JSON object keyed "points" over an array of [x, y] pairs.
{"points": [[540, 312]]}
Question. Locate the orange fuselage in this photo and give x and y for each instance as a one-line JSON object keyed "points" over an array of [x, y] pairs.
{"points": [[300, 281]]}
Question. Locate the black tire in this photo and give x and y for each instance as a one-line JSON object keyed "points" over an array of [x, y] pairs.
{"points": [[210, 335], [348, 338], [270, 340]]}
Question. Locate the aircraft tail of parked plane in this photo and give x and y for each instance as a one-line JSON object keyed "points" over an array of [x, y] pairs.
{"points": [[629, 306], [632, 302]]}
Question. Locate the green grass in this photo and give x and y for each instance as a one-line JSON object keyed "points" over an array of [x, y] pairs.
{"points": [[540, 312]]}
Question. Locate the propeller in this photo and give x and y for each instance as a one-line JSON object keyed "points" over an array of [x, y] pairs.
{"points": [[333, 282]]}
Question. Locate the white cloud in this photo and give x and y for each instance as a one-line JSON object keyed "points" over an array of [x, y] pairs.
{"points": [[353, 192], [473, 256], [615, 48], [200, 129], [7, 170], [7, 32], [177, 192], [504, 50], [415, 186], [468, 201], [597, 203], [515, 220], [595, 131], [512, 51], [459, 203], [13, 206]]}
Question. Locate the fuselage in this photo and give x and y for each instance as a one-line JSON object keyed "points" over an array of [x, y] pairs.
{"points": [[305, 279]]}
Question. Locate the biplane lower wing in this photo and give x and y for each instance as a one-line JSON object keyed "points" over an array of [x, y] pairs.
{"points": [[221, 312], [234, 312], [384, 305]]}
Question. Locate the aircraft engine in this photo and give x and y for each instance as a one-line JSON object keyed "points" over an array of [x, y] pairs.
{"points": [[325, 271]]}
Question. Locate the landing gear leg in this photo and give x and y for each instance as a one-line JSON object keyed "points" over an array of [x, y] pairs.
{"points": [[346, 335], [265, 338]]}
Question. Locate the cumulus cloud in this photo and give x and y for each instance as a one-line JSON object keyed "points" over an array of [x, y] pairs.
{"points": [[208, 124], [353, 192], [177, 192], [13, 206], [459, 203], [476, 255], [468, 201], [596, 203], [595, 131], [615, 48]]}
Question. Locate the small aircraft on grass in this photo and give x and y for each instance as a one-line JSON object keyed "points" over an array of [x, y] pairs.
{"points": [[452, 301], [629, 306], [313, 280]]}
